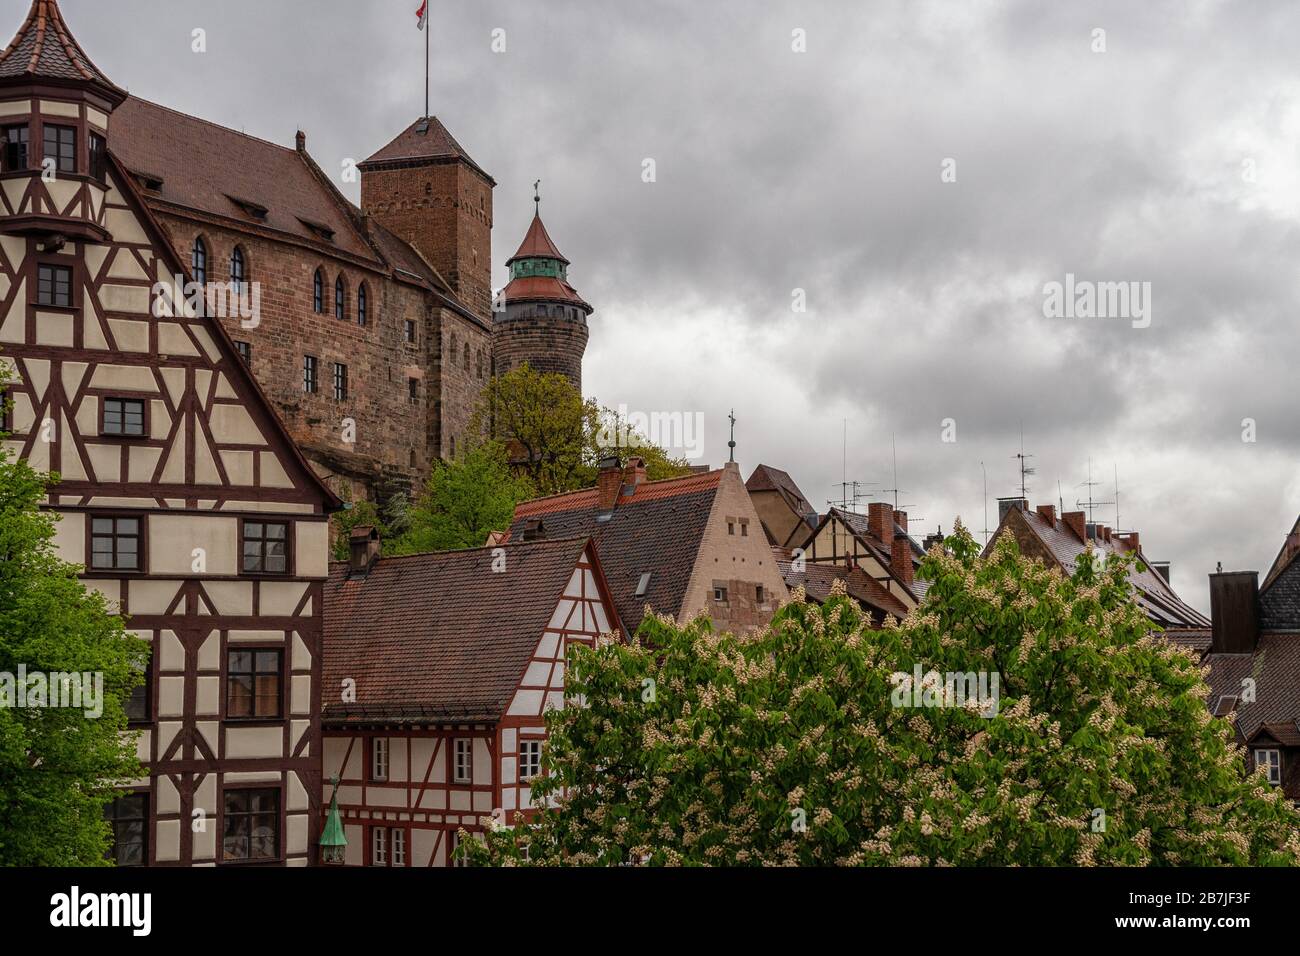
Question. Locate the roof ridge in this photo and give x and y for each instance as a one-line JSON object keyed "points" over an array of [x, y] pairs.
{"points": [[569, 539], [659, 482], [213, 123]]}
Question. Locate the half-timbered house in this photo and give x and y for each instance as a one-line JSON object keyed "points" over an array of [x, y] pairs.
{"points": [[180, 493], [878, 543], [438, 671]]}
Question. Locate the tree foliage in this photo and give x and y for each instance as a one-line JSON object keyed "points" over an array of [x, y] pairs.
{"points": [[58, 766], [789, 747]]}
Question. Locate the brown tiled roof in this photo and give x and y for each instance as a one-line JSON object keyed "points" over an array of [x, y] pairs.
{"points": [[44, 49], [767, 478], [1275, 668], [818, 579], [542, 289], [434, 142], [202, 165], [656, 530], [1154, 593], [440, 636], [537, 244], [1199, 640]]}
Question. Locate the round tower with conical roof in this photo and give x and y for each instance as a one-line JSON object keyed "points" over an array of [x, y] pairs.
{"points": [[539, 318]]}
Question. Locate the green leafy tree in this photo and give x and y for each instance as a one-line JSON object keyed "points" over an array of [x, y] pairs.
{"points": [[554, 437], [463, 501], [355, 514], [803, 744], [58, 766]]}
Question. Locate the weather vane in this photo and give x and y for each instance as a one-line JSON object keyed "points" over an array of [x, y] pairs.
{"points": [[537, 196], [732, 444]]}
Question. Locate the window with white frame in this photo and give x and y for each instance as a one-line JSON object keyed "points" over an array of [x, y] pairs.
{"points": [[379, 758], [464, 766], [1271, 761], [530, 759], [399, 847], [379, 846]]}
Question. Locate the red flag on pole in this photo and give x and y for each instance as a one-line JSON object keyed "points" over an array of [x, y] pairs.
{"points": [[423, 14]]}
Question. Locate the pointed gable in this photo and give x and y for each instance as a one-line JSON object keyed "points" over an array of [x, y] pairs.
{"points": [[424, 141]]}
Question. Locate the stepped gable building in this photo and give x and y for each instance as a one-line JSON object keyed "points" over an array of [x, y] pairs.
{"points": [[1254, 662], [680, 547], [1060, 540], [454, 658], [877, 542], [181, 493], [784, 510], [375, 332]]}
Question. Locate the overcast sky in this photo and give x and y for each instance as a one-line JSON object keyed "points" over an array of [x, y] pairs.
{"points": [[1169, 158]]}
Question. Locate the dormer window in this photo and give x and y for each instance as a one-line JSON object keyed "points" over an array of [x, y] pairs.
{"points": [[61, 147], [15, 148]]}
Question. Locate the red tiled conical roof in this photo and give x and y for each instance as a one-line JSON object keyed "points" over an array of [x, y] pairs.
{"points": [[44, 49], [537, 244]]}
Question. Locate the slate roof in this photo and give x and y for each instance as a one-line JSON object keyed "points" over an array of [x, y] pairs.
{"points": [[412, 144], [1279, 596], [818, 579], [1154, 594], [655, 530], [44, 49], [440, 636], [1275, 667]]}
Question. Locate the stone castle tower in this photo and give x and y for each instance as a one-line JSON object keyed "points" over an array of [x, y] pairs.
{"points": [[544, 322]]}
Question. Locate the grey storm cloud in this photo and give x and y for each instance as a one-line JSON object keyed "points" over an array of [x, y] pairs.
{"points": [[1171, 158]]}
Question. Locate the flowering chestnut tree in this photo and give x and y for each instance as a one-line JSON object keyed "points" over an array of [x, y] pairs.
{"points": [[1019, 716]]}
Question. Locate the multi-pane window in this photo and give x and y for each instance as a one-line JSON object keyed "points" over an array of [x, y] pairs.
{"points": [[362, 315], [464, 760], [138, 709], [1271, 761], [340, 381], [128, 818], [398, 838], [379, 758], [318, 292], [123, 417], [253, 684], [251, 831], [199, 262], [387, 846], [245, 350], [15, 151], [413, 390], [266, 547], [61, 147], [410, 330], [54, 286], [530, 759], [309, 374], [237, 272], [340, 302], [115, 544], [98, 157]]}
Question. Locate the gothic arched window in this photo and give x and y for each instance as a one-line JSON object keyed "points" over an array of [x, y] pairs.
{"points": [[318, 292], [200, 261], [362, 317], [238, 272], [340, 299]]}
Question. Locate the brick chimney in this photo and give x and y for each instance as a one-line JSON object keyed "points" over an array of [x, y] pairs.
{"points": [[900, 519], [880, 521], [1078, 523], [634, 473], [363, 549], [301, 140], [1132, 539], [900, 559], [608, 482], [1048, 512]]}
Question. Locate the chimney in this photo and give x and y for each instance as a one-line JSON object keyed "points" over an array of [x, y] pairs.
{"points": [[301, 140], [1076, 521], [1133, 540], [900, 519], [1105, 533], [1049, 513], [608, 483], [634, 473], [880, 521], [363, 549], [1234, 612], [900, 559], [534, 530], [1006, 504], [932, 541]]}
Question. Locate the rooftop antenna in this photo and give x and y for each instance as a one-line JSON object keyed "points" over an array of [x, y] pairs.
{"points": [[895, 491], [1023, 461], [849, 501], [1090, 504], [986, 503], [1117, 524], [732, 444], [537, 197], [1060, 497]]}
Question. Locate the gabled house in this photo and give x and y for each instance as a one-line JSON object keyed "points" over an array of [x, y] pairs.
{"points": [[818, 581], [781, 506], [1254, 663], [681, 546], [438, 669], [1060, 540], [877, 542]]}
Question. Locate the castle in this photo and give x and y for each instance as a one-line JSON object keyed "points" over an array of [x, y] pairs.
{"points": [[377, 326]]}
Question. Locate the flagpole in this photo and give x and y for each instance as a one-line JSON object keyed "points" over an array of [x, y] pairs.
{"points": [[427, 31]]}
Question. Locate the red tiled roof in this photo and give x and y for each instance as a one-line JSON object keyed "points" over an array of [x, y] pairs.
{"points": [[433, 142], [537, 244], [818, 579], [656, 530], [544, 289], [440, 636], [45, 49]]}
